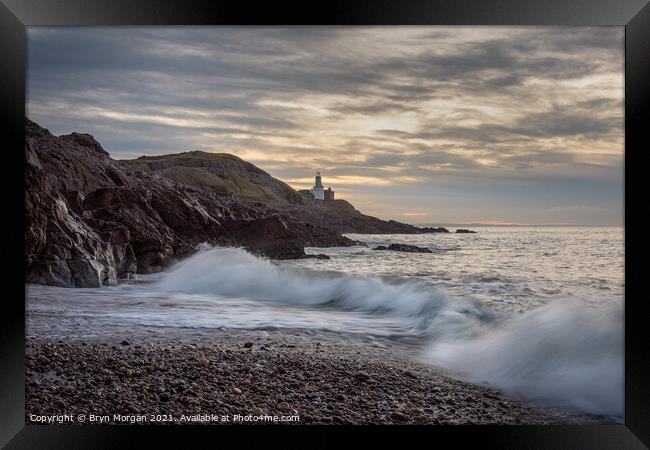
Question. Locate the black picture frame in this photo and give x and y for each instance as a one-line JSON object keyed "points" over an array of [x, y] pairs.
{"points": [[634, 15]]}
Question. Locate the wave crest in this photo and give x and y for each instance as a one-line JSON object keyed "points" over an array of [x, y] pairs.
{"points": [[236, 273]]}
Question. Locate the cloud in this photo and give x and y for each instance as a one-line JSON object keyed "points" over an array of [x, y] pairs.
{"points": [[375, 107]]}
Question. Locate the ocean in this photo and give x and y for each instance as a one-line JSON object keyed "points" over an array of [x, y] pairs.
{"points": [[536, 312]]}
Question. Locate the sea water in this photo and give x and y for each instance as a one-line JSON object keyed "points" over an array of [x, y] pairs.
{"points": [[536, 312]]}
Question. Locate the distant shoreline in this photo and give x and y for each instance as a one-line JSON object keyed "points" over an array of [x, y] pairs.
{"points": [[476, 225]]}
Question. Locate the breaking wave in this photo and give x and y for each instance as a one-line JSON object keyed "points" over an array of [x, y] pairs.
{"points": [[235, 273], [565, 353]]}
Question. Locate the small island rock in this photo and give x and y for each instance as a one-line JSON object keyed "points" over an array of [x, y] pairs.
{"points": [[404, 248]]}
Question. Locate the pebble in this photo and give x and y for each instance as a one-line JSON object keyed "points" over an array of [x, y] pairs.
{"points": [[236, 391], [125, 343], [204, 362], [284, 406], [248, 344], [258, 411], [362, 376]]}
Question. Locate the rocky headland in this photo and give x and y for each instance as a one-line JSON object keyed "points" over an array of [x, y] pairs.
{"points": [[91, 220]]}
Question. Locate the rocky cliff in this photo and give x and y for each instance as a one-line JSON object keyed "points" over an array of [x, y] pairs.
{"points": [[90, 220]]}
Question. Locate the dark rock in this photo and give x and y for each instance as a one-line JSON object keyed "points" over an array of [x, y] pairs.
{"points": [[434, 230], [318, 256], [88, 273], [342, 217], [362, 376], [269, 236], [462, 230], [283, 406], [125, 343], [403, 248], [248, 344], [91, 220]]}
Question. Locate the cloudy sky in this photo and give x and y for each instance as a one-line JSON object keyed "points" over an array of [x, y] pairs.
{"points": [[418, 124]]}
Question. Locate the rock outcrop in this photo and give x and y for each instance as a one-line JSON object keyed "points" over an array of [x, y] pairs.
{"points": [[90, 220], [404, 248], [434, 230], [341, 216], [463, 230]]}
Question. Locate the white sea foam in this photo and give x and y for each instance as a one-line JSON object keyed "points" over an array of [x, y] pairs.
{"points": [[563, 353], [233, 272]]}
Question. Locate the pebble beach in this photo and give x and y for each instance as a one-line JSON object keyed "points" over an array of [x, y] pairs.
{"points": [[254, 378]]}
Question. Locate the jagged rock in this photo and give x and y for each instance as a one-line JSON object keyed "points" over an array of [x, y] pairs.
{"points": [[404, 248], [90, 273], [91, 220], [270, 236]]}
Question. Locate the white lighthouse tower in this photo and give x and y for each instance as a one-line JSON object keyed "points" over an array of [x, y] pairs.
{"points": [[317, 191]]}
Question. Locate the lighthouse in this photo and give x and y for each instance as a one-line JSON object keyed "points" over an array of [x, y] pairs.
{"points": [[317, 191]]}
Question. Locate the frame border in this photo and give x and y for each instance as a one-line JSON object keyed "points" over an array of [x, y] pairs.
{"points": [[16, 15]]}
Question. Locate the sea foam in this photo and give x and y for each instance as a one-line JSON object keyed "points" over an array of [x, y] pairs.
{"points": [[235, 273], [564, 353]]}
